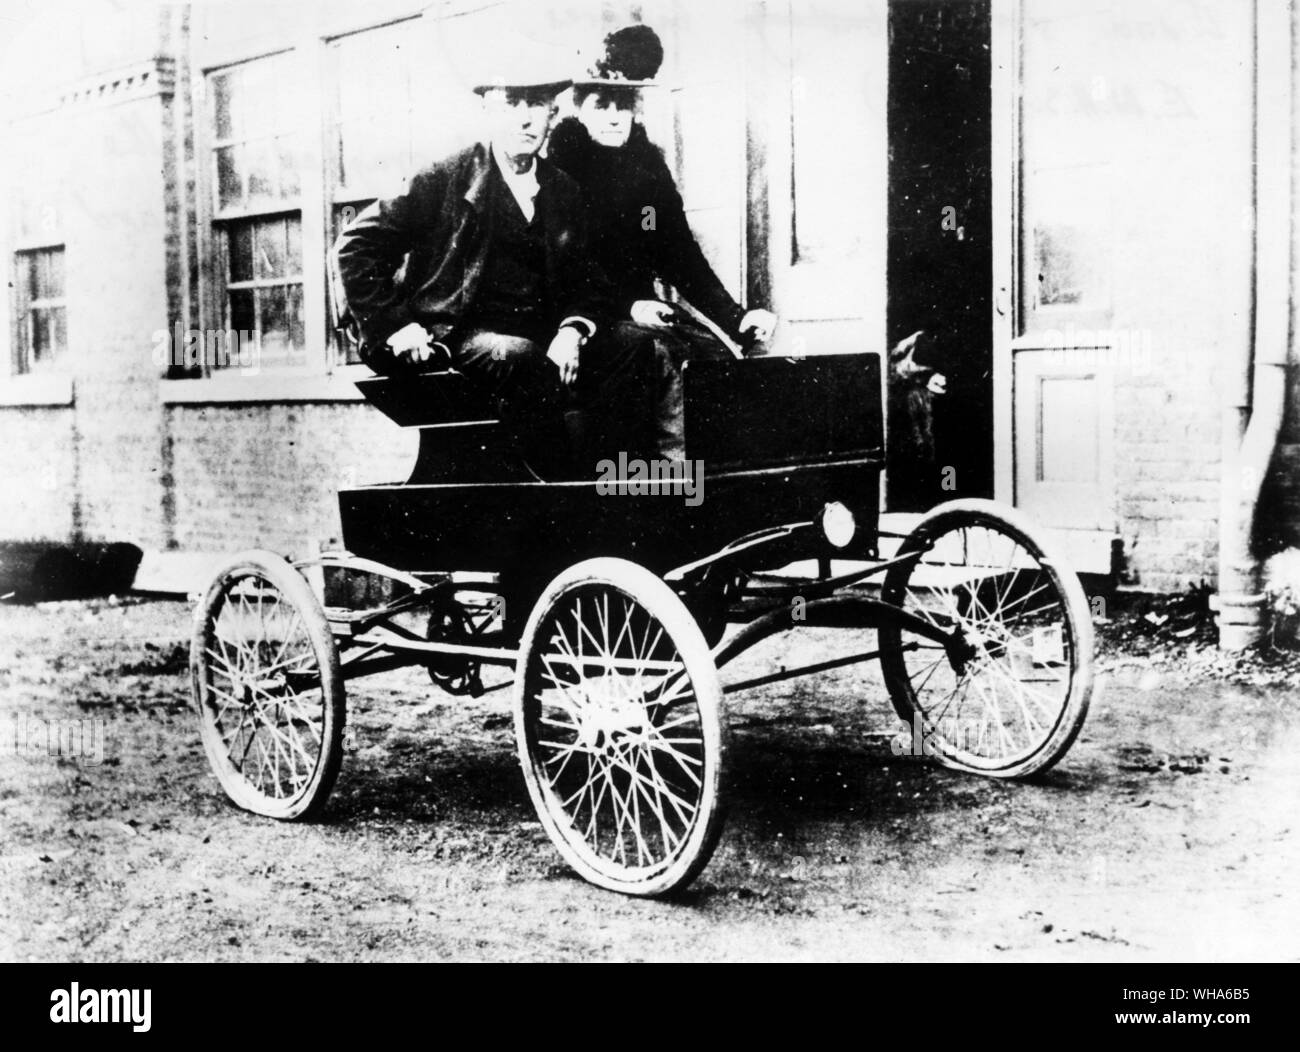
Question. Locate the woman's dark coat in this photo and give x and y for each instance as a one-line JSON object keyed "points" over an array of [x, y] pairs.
{"points": [[632, 244]]}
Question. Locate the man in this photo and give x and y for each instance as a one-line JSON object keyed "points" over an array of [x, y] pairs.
{"points": [[499, 276]]}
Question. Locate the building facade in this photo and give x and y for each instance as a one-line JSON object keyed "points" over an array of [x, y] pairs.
{"points": [[1091, 199]]}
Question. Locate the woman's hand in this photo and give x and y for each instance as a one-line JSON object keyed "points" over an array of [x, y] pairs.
{"points": [[654, 314]]}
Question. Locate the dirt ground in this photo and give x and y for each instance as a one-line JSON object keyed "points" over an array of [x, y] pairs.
{"points": [[1170, 831]]}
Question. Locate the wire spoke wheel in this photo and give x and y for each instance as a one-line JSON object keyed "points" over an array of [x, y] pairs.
{"points": [[619, 729], [1010, 698], [267, 687]]}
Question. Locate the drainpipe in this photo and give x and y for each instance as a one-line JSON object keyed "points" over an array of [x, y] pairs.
{"points": [[1257, 388]]}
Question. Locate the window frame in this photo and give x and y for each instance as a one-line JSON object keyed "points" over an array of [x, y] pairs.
{"points": [[21, 350], [214, 222], [338, 194], [326, 374]]}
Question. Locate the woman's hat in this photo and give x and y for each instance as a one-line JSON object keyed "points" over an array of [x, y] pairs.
{"points": [[630, 59]]}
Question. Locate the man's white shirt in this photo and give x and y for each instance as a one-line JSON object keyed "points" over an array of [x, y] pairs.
{"points": [[523, 185], [523, 188]]}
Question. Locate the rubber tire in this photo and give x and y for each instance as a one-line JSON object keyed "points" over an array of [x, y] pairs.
{"points": [[295, 589], [977, 512], [656, 598]]}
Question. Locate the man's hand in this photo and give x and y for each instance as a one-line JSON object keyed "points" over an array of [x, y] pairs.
{"points": [[761, 323], [938, 384], [654, 314], [563, 351], [412, 342]]}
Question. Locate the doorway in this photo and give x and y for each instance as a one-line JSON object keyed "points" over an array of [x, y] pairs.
{"points": [[940, 250]]}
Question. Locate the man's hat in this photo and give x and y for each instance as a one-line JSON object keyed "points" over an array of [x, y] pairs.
{"points": [[496, 45], [526, 64], [630, 59]]}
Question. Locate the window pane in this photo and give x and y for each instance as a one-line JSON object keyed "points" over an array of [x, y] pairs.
{"points": [[254, 97], [240, 242], [343, 215], [828, 97], [49, 334], [236, 346], [297, 336], [352, 152], [38, 278], [59, 328], [230, 190], [41, 336], [277, 338], [1070, 224], [242, 315], [53, 280], [376, 94], [262, 182], [31, 274], [270, 249], [221, 106], [293, 260], [290, 165]]}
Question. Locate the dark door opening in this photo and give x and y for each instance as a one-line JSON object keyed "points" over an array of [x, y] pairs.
{"points": [[940, 251]]}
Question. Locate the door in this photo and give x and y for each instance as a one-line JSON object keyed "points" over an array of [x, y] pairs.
{"points": [[817, 75], [941, 248], [1054, 194]]}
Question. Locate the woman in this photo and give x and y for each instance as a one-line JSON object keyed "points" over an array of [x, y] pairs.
{"points": [[638, 226]]}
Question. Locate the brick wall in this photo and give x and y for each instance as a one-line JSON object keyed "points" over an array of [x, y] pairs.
{"points": [[39, 480], [267, 475], [1179, 89], [118, 291], [100, 140]]}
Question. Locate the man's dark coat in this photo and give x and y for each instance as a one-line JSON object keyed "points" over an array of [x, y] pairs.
{"points": [[444, 222]]}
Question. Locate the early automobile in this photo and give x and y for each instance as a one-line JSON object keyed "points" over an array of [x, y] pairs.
{"points": [[617, 612]]}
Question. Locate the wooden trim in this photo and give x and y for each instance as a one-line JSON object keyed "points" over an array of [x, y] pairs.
{"points": [[205, 243], [758, 147], [37, 390], [333, 34], [38, 245], [225, 389], [1006, 44], [206, 69], [313, 53]]}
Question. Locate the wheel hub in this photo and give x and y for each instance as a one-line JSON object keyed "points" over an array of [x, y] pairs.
{"points": [[609, 721]]}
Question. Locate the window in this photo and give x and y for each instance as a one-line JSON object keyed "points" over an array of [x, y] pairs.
{"points": [[371, 149], [390, 115], [40, 310], [1069, 230], [826, 98], [1073, 82], [295, 145], [258, 119]]}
